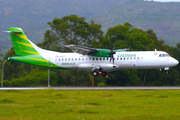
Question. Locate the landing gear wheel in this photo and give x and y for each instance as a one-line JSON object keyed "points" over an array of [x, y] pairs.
{"points": [[95, 73], [104, 74]]}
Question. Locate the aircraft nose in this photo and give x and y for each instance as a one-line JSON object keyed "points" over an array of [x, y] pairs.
{"points": [[175, 62]]}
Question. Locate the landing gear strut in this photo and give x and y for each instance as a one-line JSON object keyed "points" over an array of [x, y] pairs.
{"points": [[167, 70]]}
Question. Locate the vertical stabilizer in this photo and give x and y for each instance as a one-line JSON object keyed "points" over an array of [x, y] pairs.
{"points": [[22, 45]]}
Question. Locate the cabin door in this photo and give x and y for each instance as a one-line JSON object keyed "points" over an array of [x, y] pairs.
{"points": [[49, 62]]}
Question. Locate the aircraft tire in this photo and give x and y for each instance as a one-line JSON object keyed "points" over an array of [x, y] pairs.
{"points": [[95, 73]]}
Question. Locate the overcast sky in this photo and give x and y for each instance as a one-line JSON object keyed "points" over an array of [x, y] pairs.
{"points": [[164, 0]]}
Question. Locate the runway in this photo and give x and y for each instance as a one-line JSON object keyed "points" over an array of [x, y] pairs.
{"points": [[97, 88]]}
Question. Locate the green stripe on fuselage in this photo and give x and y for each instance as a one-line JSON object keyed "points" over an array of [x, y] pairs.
{"points": [[37, 60]]}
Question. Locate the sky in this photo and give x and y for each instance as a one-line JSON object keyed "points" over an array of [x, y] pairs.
{"points": [[164, 0]]}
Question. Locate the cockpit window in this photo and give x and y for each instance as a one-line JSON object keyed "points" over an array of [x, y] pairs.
{"points": [[164, 55], [167, 55]]}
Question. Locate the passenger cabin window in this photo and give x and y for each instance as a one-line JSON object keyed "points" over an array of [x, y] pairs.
{"points": [[96, 58], [93, 58], [103, 58], [79, 59]]}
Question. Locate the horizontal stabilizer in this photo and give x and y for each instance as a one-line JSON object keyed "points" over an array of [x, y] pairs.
{"points": [[12, 31]]}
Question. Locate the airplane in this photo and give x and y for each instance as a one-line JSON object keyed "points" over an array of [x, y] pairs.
{"points": [[97, 61]]}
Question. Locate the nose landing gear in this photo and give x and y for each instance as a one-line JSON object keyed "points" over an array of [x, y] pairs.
{"points": [[166, 69]]}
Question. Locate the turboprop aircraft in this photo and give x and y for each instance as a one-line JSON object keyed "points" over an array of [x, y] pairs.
{"points": [[97, 61]]}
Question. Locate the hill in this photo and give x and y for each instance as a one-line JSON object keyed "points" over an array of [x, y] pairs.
{"points": [[32, 16], [162, 18]]}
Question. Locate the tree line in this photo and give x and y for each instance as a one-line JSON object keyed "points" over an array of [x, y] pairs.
{"points": [[75, 30]]}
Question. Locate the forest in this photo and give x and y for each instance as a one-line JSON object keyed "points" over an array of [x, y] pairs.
{"points": [[75, 30]]}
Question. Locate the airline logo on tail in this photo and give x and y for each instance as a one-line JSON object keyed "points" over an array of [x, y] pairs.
{"points": [[26, 51], [21, 44]]}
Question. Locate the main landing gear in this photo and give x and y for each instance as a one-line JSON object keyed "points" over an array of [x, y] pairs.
{"points": [[99, 72]]}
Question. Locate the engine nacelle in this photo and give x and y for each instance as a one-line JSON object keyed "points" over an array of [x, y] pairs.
{"points": [[101, 53]]}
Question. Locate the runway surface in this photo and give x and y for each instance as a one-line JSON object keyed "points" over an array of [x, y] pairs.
{"points": [[96, 88]]}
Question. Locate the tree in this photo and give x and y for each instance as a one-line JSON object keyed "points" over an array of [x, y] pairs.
{"points": [[71, 30], [1, 56], [126, 36]]}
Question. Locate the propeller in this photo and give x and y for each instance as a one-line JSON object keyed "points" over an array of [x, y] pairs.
{"points": [[112, 52]]}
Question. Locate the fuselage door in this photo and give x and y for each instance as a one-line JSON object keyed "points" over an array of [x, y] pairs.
{"points": [[49, 62]]}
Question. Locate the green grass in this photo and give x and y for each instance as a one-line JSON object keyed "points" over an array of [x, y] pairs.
{"points": [[90, 105]]}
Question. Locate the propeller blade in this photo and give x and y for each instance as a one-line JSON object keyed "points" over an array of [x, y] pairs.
{"points": [[112, 52], [113, 60]]}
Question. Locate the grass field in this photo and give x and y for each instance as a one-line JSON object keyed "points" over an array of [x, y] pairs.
{"points": [[89, 105]]}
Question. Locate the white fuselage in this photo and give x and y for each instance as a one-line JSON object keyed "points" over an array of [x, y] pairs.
{"points": [[123, 60]]}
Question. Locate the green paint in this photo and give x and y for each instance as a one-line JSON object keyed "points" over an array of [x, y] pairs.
{"points": [[21, 43], [25, 52], [101, 53], [126, 55], [35, 60]]}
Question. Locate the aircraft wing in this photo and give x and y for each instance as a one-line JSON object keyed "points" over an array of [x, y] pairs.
{"points": [[81, 49]]}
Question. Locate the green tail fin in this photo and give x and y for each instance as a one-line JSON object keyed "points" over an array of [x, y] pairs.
{"points": [[22, 45]]}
